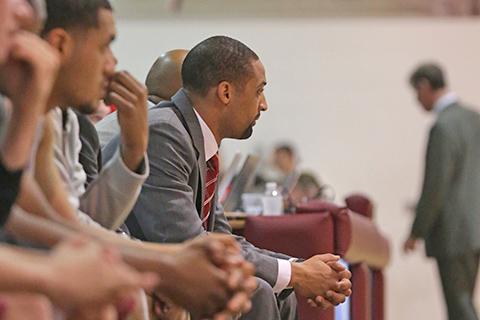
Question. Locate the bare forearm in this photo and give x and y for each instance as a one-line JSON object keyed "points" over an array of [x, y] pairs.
{"points": [[121, 242], [36, 229], [32, 200], [132, 157], [147, 262], [23, 271]]}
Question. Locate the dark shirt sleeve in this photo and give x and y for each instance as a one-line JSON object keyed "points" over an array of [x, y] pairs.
{"points": [[90, 155], [9, 188]]}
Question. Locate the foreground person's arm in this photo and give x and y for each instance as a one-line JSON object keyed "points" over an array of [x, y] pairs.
{"points": [[75, 274]]}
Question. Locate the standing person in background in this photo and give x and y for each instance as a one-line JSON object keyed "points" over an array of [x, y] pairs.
{"points": [[448, 212]]}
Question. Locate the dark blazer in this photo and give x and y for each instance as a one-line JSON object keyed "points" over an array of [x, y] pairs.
{"points": [[170, 203], [448, 212]]}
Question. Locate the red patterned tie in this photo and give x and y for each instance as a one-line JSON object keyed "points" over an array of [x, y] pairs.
{"points": [[211, 182]]}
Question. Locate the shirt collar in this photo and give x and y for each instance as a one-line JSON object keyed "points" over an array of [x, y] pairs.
{"points": [[444, 101], [210, 143], [150, 104]]}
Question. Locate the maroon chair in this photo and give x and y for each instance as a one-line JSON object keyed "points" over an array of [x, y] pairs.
{"points": [[361, 299], [378, 295], [316, 206], [361, 204], [300, 236], [361, 244]]}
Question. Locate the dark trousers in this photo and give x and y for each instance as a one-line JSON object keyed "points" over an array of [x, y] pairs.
{"points": [[266, 306], [458, 276]]}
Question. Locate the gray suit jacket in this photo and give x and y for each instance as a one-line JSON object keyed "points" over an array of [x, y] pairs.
{"points": [[448, 212], [170, 203]]}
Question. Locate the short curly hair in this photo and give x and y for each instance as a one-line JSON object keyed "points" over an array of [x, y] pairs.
{"points": [[73, 13], [214, 60]]}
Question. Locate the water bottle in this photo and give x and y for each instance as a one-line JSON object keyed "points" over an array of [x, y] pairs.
{"points": [[272, 200]]}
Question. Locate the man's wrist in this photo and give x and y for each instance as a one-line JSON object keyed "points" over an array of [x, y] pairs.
{"points": [[166, 265], [35, 99], [46, 281], [132, 157], [297, 272]]}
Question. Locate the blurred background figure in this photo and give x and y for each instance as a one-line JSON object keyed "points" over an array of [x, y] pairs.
{"points": [[447, 216], [164, 78], [308, 188], [278, 166]]}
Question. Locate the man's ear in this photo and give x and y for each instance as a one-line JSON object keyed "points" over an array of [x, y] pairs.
{"points": [[62, 41], [224, 92]]}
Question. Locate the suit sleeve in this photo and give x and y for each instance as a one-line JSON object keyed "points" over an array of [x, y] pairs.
{"points": [[265, 261], [111, 196], [438, 176]]}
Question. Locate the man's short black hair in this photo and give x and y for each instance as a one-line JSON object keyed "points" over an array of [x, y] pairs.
{"points": [[214, 60], [73, 13], [288, 149], [430, 72]]}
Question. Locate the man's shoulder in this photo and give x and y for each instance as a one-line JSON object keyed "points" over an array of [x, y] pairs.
{"points": [[165, 122], [457, 123], [161, 113], [458, 115], [164, 115]]}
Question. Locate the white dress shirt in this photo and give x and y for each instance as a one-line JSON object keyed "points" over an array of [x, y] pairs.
{"points": [[211, 148], [444, 101]]}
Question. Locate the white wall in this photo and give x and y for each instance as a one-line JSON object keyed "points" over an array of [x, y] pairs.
{"points": [[338, 88]]}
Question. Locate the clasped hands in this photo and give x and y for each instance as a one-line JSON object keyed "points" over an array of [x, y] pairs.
{"points": [[211, 278], [322, 279]]}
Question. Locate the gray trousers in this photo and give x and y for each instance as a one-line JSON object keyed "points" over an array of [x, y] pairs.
{"points": [[458, 276], [266, 306]]}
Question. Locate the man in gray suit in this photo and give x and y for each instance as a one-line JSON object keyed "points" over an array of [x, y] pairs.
{"points": [[448, 212], [222, 97]]}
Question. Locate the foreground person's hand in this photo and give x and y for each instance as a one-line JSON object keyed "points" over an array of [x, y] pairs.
{"points": [[201, 286], [84, 274], [26, 79], [130, 98], [30, 72], [224, 251]]}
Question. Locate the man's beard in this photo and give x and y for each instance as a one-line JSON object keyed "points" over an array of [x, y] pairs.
{"points": [[87, 108], [247, 133]]}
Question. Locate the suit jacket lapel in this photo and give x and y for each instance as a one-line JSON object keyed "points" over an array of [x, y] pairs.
{"points": [[185, 107]]}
